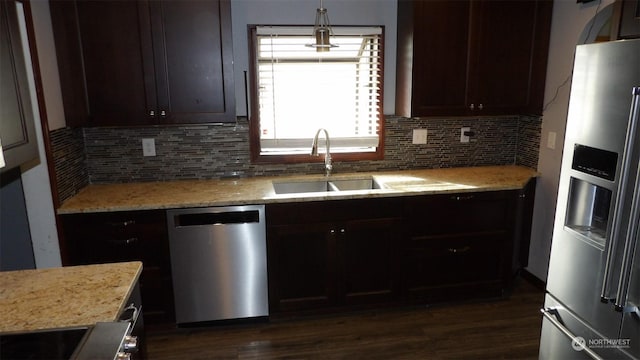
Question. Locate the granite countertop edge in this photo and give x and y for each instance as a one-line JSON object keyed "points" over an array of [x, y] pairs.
{"points": [[65, 297], [259, 190]]}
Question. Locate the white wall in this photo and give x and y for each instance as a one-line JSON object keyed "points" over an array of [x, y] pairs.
{"points": [[570, 26], [35, 178], [302, 12]]}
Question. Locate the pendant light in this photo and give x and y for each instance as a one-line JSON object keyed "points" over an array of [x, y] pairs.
{"points": [[322, 31]]}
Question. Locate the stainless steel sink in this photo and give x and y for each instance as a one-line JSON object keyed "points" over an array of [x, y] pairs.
{"points": [[297, 187], [354, 184]]}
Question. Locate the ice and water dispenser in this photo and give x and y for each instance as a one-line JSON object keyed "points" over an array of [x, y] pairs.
{"points": [[588, 204]]}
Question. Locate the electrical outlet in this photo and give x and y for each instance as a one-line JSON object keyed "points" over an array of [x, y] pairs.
{"points": [[148, 147], [419, 136], [464, 138]]}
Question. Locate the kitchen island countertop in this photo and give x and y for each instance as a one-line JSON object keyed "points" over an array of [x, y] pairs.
{"points": [[64, 297], [259, 190]]}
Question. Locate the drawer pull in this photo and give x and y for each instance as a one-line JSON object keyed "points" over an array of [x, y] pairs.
{"points": [[462, 197], [122, 224], [129, 241], [459, 250]]}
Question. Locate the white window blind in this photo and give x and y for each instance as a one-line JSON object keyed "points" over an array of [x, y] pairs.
{"points": [[301, 90]]}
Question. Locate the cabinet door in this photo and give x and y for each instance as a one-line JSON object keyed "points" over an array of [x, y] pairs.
{"points": [[505, 37], [433, 56], [17, 126], [301, 267], [628, 12], [194, 61], [115, 41], [368, 253]]}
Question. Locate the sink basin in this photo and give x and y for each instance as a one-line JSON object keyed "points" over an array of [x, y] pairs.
{"points": [[354, 184], [297, 187]]}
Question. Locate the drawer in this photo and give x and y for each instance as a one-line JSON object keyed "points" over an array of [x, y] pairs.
{"points": [[459, 213], [445, 261], [122, 236]]}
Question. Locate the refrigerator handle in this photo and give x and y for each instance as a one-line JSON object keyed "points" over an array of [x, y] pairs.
{"points": [[631, 237], [627, 160], [551, 314]]}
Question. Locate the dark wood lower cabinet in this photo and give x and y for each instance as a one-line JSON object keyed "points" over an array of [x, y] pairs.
{"points": [[126, 236], [447, 268], [368, 260], [418, 249], [332, 254]]}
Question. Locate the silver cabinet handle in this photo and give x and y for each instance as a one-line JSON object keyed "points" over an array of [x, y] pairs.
{"points": [[472, 107], [550, 314], [480, 107], [163, 113], [627, 160], [152, 113]]}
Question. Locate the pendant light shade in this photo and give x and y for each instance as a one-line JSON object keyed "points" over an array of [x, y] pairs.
{"points": [[322, 31]]}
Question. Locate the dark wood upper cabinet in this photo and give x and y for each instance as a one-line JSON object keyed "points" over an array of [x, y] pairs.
{"points": [[17, 123], [626, 19], [476, 57], [145, 62]]}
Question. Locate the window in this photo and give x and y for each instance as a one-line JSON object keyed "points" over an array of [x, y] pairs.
{"points": [[297, 90]]}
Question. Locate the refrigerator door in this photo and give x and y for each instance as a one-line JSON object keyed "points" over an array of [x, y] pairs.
{"points": [[631, 312], [594, 194], [565, 336]]}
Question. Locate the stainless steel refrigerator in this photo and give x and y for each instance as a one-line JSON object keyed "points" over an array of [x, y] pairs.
{"points": [[593, 286]]}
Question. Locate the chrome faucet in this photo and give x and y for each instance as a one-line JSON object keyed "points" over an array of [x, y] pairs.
{"points": [[327, 155]]}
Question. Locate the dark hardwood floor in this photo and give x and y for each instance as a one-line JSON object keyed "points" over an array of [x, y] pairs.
{"points": [[493, 329]]}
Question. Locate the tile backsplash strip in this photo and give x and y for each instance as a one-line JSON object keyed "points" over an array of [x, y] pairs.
{"points": [[69, 161], [111, 155]]}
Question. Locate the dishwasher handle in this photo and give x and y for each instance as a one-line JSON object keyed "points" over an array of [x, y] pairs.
{"points": [[216, 218]]}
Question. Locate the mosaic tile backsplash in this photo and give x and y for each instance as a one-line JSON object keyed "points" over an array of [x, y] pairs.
{"points": [[111, 155]]}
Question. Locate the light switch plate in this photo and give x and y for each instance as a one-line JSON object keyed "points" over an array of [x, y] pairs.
{"points": [[551, 140], [148, 147], [419, 136]]}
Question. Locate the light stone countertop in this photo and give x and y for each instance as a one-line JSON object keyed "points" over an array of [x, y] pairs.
{"points": [[63, 297], [259, 190]]}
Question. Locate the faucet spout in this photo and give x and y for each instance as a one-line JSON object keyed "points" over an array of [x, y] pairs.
{"points": [[327, 154]]}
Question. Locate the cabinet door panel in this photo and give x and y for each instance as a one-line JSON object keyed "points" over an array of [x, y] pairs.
{"points": [[629, 19], [301, 274], [502, 34], [369, 251], [440, 62], [191, 58], [112, 34]]}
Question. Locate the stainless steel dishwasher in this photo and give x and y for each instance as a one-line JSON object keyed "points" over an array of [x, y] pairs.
{"points": [[218, 263]]}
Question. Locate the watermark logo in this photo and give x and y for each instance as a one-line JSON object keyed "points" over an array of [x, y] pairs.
{"points": [[579, 343]]}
